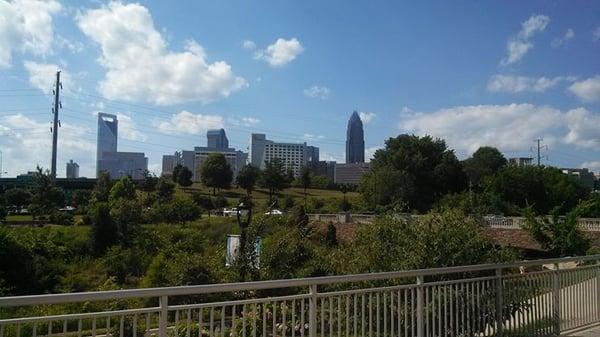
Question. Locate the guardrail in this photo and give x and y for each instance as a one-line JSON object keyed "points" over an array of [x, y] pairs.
{"points": [[476, 300], [585, 224]]}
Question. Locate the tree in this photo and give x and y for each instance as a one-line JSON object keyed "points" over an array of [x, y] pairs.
{"points": [[102, 189], [179, 210], [273, 177], [81, 198], [46, 197], [320, 182], [205, 202], [559, 235], [122, 189], [305, 178], [104, 232], [3, 211], [164, 189], [215, 172], [18, 197], [184, 178], [542, 188], [412, 170], [149, 183], [485, 162], [247, 177], [589, 208], [175, 174]]}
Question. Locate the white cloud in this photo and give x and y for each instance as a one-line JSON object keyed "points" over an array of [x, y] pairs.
{"points": [[312, 137], [596, 34], [26, 26], [326, 156], [367, 117], [519, 45], [243, 121], [30, 142], [187, 122], [587, 90], [128, 129], [466, 128], [584, 128], [559, 41], [140, 66], [43, 76], [516, 84], [281, 52], [317, 92], [248, 44]]}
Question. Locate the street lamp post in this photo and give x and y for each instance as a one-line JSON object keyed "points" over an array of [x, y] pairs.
{"points": [[243, 224]]}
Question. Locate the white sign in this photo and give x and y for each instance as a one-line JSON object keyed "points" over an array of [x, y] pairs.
{"points": [[233, 250]]}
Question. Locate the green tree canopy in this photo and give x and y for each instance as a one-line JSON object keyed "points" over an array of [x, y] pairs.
{"points": [[412, 170], [164, 189], [542, 188], [485, 162], [184, 179], [248, 177], [215, 172], [273, 177], [17, 197], [102, 189], [122, 189], [175, 174], [46, 197]]}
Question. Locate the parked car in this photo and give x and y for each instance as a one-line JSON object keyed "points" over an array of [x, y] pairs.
{"points": [[274, 212]]}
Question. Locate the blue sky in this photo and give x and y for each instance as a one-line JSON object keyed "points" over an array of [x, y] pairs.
{"points": [[471, 72]]}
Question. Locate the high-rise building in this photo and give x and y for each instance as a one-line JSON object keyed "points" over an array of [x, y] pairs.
{"points": [[121, 164], [72, 170], [355, 140], [108, 127], [217, 139], [312, 155], [117, 164], [350, 173], [235, 159], [184, 158], [292, 155]]}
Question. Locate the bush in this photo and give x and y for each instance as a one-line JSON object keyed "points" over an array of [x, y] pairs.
{"points": [[61, 218], [220, 202], [179, 210]]}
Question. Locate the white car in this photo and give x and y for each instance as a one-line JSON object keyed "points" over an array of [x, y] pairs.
{"points": [[274, 212], [234, 212]]}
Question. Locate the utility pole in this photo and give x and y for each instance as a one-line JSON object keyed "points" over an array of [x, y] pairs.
{"points": [[539, 148], [55, 124]]}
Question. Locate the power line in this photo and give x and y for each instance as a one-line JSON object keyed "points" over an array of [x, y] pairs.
{"points": [[539, 148]]}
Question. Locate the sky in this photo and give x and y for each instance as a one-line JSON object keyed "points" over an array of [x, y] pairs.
{"points": [[473, 73]]}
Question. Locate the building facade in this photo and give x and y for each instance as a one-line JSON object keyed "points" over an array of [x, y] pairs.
{"points": [[355, 140], [520, 161], [582, 174], [236, 159], [108, 127], [292, 155], [72, 170], [350, 173], [121, 164], [217, 139]]}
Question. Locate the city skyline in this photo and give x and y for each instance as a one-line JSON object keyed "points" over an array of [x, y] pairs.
{"points": [[534, 75]]}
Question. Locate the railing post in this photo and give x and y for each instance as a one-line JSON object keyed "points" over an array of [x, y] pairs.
{"points": [[556, 299], [163, 319], [598, 290], [499, 303], [420, 312], [312, 311]]}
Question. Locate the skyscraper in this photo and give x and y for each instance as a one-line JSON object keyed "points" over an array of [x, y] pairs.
{"points": [[217, 139], [72, 170], [107, 135], [355, 140]]}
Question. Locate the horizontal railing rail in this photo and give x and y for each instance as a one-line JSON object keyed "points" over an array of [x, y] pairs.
{"points": [[473, 300], [493, 221]]}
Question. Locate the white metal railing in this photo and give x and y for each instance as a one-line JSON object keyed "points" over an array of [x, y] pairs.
{"points": [[477, 300], [493, 221]]}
